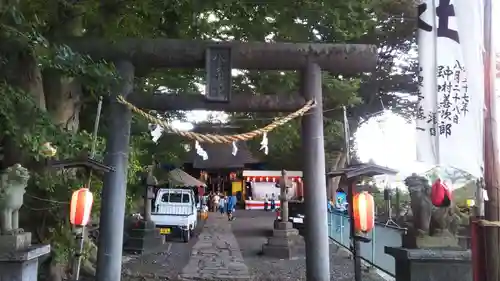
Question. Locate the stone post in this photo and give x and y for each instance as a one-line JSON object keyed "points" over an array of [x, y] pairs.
{"points": [[18, 258], [151, 181], [283, 196], [431, 264], [285, 240]]}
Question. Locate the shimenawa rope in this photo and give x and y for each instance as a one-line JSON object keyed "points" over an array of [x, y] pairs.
{"points": [[213, 138], [489, 223]]}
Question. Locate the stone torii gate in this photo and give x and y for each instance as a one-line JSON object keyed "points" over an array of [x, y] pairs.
{"points": [[138, 57]]}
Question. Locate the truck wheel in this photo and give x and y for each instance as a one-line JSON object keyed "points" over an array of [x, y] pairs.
{"points": [[186, 235]]}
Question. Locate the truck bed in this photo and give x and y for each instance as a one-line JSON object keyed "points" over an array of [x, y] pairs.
{"points": [[169, 220]]}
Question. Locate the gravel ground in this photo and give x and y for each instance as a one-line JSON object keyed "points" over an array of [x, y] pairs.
{"points": [[165, 264], [251, 229]]}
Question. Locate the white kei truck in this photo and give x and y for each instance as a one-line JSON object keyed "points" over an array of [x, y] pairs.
{"points": [[175, 212]]}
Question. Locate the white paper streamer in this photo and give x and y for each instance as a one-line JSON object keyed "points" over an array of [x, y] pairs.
{"points": [[200, 151], [264, 143], [235, 149]]}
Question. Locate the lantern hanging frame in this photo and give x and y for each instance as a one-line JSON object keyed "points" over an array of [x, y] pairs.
{"points": [[87, 162], [350, 175]]}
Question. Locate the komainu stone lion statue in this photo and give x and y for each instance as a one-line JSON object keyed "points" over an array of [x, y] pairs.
{"points": [[421, 204], [13, 182], [430, 221]]}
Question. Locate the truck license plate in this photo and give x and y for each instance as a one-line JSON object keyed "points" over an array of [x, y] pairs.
{"points": [[297, 220], [165, 230]]}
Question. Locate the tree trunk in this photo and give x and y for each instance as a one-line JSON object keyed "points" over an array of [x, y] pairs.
{"points": [[23, 73], [337, 161], [63, 96], [63, 99]]}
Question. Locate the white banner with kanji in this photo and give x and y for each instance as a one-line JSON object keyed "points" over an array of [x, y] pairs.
{"points": [[451, 99]]}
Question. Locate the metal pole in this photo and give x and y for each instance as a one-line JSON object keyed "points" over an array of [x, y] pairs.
{"points": [[315, 199], [77, 262], [109, 256], [79, 232], [355, 244], [96, 127], [398, 202], [373, 245], [347, 137]]}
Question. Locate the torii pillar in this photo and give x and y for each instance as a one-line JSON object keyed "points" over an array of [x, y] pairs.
{"points": [[114, 193], [315, 197]]}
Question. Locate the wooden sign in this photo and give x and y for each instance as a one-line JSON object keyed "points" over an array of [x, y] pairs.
{"points": [[219, 78]]}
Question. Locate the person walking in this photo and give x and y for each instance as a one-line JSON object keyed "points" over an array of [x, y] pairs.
{"points": [[266, 203], [273, 202], [210, 198], [222, 205], [230, 207], [216, 202]]}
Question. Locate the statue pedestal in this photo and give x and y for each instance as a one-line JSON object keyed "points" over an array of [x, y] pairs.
{"points": [[143, 238], [15, 242], [444, 240], [431, 264], [18, 258], [285, 242]]}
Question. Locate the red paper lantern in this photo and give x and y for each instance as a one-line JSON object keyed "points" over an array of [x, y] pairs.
{"points": [[440, 194], [232, 176], [81, 205], [363, 211]]}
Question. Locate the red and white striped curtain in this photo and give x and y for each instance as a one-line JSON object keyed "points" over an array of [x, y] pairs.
{"points": [[270, 179]]}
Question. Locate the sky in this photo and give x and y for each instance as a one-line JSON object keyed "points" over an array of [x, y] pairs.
{"points": [[388, 139]]}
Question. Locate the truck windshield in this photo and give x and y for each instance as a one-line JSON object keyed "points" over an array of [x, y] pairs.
{"points": [[175, 198]]}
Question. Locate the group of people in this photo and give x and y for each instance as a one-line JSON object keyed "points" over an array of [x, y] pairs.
{"points": [[271, 200], [339, 204], [216, 201]]}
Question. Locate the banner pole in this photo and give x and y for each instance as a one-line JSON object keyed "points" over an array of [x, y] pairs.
{"points": [[491, 164]]}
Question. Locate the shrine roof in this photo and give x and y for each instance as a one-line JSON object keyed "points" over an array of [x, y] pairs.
{"points": [[367, 170]]}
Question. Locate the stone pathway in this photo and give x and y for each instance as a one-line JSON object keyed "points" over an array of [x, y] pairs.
{"points": [[216, 255]]}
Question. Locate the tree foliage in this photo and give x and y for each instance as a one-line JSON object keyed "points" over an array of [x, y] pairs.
{"points": [[49, 93], [387, 24]]}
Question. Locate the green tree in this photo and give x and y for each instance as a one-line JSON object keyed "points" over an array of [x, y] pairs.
{"points": [[387, 24], [49, 92]]}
